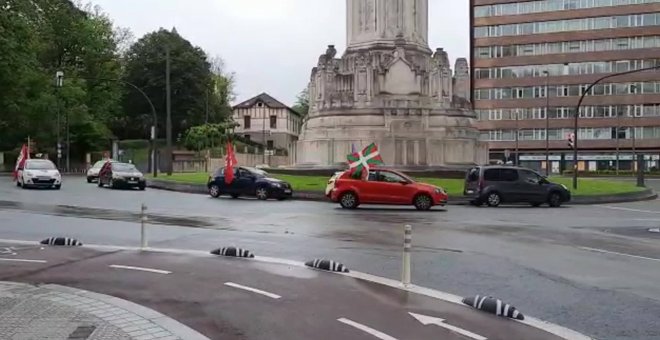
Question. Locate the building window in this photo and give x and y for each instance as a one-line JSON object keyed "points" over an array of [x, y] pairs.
{"points": [[269, 145], [260, 104], [273, 122], [246, 122]]}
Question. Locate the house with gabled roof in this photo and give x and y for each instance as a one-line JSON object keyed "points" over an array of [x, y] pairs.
{"points": [[266, 120]]}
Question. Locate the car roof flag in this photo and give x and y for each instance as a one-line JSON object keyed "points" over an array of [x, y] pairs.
{"points": [[230, 162], [360, 162], [20, 161]]}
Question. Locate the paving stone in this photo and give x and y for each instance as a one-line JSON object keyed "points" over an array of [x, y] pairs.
{"points": [[52, 312]]}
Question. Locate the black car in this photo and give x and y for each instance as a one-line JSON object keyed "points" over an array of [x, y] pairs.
{"points": [[494, 185], [121, 175], [249, 182]]}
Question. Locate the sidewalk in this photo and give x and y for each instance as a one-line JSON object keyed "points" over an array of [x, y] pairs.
{"points": [[56, 312]]}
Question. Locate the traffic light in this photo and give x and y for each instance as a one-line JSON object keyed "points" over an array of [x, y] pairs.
{"points": [[571, 140]]}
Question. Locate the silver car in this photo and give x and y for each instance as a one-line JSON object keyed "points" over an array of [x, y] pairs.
{"points": [[93, 172]]}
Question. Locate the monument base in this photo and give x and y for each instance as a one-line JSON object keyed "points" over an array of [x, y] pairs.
{"points": [[431, 141]]}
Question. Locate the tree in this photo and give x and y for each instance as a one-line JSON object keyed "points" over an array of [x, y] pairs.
{"points": [[191, 81], [302, 103], [40, 37], [208, 135], [222, 90]]}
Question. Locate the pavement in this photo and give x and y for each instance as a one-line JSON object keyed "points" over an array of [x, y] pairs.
{"points": [[593, 269], [222, 298]]}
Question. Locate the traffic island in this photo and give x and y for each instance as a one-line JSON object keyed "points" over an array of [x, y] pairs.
{"points": [[311, 188]]}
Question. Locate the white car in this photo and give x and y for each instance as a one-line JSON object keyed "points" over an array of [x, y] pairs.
{"points": [[93, 172], [331, 183], [39, 173]]}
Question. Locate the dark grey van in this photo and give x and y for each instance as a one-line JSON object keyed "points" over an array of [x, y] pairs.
{"points": [[494, 185]]}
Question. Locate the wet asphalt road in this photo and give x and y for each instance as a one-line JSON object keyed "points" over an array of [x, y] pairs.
{"points": [[594, 269], [220, 302]]}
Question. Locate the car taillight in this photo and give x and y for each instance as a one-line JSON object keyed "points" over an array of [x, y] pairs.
{"points": [[481, 184]]}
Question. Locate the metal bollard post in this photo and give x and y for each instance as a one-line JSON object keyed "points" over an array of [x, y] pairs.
{"points": [[407, 243], [143, 231]]}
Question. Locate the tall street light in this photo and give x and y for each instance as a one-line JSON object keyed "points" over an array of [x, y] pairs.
{"points": [[547, 123], [154, 127], [577, 114]]}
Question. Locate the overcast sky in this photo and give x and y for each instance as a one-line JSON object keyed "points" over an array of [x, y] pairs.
{"points": [[272, 45]]}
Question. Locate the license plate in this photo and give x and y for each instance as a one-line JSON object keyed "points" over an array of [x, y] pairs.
{"points": [[132, 182], [287, 191], [470, 191]]}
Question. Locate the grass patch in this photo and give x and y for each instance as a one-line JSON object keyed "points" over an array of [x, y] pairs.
{"points": [[454, 187]]}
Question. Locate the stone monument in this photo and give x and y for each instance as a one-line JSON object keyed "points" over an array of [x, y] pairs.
{"points": [[391, 89]]}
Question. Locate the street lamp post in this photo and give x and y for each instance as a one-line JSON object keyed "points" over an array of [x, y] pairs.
{"points": [[154, 127], [517, 140], [633, 90], [547, 123], [577, 114]]}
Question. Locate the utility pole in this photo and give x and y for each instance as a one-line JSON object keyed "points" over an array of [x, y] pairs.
{"points": [[59, 82], [547, 123], [633, 89], [618, 147], [68, 144], [168, 108], [207, 106]]}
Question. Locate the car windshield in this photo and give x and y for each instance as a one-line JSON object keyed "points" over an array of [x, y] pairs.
{"points": [[256, 171], [40, 165], [123, 167]]}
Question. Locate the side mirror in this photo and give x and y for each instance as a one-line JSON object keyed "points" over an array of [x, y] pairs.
{"points": [[404, 182]]}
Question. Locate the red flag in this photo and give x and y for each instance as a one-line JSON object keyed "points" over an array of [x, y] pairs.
{"points": [[230, 161], [20, 161]]}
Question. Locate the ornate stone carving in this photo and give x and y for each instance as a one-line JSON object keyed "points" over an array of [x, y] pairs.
{"points": [[387, 74]]}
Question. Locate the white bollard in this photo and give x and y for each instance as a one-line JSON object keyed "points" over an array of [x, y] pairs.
{"points": [[407, 243], [143, 231]]}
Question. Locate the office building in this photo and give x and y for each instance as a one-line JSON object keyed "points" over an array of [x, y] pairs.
{"points": [[531, 61]]}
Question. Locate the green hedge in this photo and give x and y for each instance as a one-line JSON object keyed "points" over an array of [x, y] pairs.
{"points": [[610, 173]]}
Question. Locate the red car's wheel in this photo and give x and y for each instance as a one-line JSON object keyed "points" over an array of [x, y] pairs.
{"points": [[349, 200], [423, 202]]}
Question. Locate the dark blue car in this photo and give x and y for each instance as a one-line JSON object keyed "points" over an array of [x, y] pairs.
{"points": [[249, 182]]}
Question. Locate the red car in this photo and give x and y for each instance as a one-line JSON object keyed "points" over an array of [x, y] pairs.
{"points": [[386, 187]]}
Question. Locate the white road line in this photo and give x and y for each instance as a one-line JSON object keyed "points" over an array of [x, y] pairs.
{"points": [[150, 270], [596, 250], [254, 290], [23, 260], [630, 209], [378, 334], [429, 320]]}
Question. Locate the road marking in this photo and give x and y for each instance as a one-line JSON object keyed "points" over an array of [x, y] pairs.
{"points": [[150, 270], [378, 334], [549, 327], [630, 209], [23, 260], [254, 290], [596, 250], [429, 320]]}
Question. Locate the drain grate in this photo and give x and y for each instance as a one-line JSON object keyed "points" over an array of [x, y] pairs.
{"points": [[82, 333]]}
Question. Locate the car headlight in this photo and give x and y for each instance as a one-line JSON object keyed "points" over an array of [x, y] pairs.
{"points": [[115, 176], [58, 175], [565, 187], [277, 185], [29, 174], [439, 190]]}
